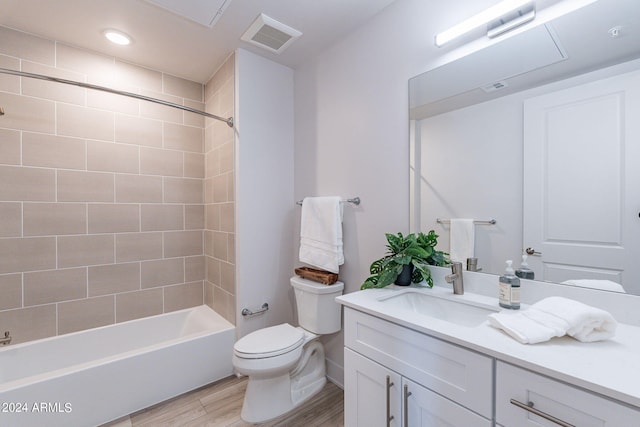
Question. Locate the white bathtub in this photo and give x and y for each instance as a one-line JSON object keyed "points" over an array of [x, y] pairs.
{"points": [[91, 377]]}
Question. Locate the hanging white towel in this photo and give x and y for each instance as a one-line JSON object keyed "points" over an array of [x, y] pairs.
{"points": [[555, 317], [605, 285], [462, 237], [321, 233]]}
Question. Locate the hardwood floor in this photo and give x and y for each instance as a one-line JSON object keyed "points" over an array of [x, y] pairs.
{"points": [[219, 405]]}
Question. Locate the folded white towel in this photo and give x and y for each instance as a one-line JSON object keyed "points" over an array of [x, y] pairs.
{"points": [[462, 240], [321, 233], [555, 317], [605, 285]]}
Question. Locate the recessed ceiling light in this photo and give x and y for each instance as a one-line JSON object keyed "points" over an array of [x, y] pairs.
{"points": [[117, 37]]}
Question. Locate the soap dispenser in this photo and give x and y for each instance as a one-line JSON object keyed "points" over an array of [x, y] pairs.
{"points": [[509, 289], [524, 272]]}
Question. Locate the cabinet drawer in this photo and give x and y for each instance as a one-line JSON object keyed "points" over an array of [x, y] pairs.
{"points": [[569, 404], [461, 375]]}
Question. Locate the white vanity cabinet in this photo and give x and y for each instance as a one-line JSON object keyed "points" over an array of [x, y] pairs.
{"points": [[524, 398], [395, 376]]}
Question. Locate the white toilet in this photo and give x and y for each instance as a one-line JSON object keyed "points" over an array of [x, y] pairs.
{"points": [[286, 364]]}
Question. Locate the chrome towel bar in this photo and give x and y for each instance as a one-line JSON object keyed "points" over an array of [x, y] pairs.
{"points": [[354, 201], [475, 221]]}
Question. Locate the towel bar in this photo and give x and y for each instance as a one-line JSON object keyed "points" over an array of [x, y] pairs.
{"points": [[475, 221], [354, 200]]}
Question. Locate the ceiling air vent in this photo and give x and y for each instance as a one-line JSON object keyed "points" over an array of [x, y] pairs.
{"points": [[492, 87], [270, 34]]}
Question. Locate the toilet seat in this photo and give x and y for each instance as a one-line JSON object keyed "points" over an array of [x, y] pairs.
{"points": [[269, 342]]}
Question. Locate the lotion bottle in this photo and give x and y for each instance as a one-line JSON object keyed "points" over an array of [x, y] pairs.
{"points": [[524, 272], [509, 289]]}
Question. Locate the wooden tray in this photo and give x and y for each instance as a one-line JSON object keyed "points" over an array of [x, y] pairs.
{"points": [[317, 275]]}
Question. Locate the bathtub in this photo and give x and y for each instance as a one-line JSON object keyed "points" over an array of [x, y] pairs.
{"points": [[91, 377]]}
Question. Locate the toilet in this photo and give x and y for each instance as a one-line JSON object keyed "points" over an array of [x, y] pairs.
{"points": [[285, 364]]}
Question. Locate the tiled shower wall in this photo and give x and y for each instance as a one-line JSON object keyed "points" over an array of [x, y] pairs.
{"points": [[220, 288], [102, 212]]}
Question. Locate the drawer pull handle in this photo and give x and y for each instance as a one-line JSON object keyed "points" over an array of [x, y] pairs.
{"points": [[407, 393], [529, 407], [389, 416]]}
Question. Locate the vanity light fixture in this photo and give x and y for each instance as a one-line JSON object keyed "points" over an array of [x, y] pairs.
{"points": [[493, 13], [117, 37]]}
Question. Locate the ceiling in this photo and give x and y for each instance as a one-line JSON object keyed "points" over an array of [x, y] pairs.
{"points": [[176, 45]]}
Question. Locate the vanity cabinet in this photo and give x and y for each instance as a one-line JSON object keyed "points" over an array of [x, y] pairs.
{"points": [[520, 394], [395, 376]]}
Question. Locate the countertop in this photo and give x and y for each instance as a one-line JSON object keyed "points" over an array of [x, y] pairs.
{"points": [[610, 368]]}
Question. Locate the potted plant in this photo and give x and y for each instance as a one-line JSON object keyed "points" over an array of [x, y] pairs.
{"points": [[407, 260]]}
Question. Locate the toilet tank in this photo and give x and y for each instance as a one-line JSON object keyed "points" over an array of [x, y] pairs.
{"points": [[318, 312]]}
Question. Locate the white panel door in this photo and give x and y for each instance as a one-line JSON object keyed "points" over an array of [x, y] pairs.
{"points": [[582, 182]]}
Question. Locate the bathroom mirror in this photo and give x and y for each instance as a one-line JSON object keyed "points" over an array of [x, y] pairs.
{"points": [[469, 159]]}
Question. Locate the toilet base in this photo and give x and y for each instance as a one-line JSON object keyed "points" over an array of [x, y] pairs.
{"points": [[268, 398]]}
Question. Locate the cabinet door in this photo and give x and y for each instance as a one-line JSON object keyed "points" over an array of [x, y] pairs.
{"points": [[568, 404], [424, 408], [371, 393]]}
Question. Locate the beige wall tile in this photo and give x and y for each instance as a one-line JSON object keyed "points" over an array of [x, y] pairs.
{"points": [[208, 242], [9, 147], [183, 243], [208, 294], [53, 151], [212, 163], [162, 272], [226, 157], [27, 254], [138, 130], [138, 189], [28, 114], [231, 251], [98, 68], [208, 190], [112, 102], [9, 83], [135, 305], [45, 287], [27, 324], [137, 76], [220, 188], [11, 291], [10, 219], [111, 157], [76, 251], [108, 218], [48, 219], [160, 162], [183, 138], [53, 91], [213, 270], [183, 296], [161, 112], [183, 88], [72, 120], [183, 190], [212, 217], [194, 165], [221, 134], [138, 246], [228, 277], [194, 268], [26, 46], [114, 278], [193, 119], [227, 220], [28, 184], [220, 245], [162, 217], [231, 195], [85, 314], [224, 304], [74, 186], [194, 217]]}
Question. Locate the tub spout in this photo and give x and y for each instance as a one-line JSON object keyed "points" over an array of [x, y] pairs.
{"points": [[7, 338]]}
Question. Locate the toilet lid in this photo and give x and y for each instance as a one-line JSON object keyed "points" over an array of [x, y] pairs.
{"points": [[269, 342]]}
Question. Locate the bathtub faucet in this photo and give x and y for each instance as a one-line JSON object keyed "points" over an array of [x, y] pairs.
{"points": [[7, 338]]}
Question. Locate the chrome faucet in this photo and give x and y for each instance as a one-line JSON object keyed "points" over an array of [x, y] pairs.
{"points": [[7, 338], [456, 278]]}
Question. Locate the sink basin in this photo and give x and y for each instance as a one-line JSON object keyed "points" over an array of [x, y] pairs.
{"points": [[461, 313]]}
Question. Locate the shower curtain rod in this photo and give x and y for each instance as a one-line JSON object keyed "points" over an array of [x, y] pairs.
{"points": [[228, 121]]}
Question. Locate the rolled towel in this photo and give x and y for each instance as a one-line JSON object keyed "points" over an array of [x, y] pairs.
{"points": [[462, 236], [321, 233], [555, 317]]}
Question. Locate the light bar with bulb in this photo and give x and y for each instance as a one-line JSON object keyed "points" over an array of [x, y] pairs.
{"points": [[503, 8]]}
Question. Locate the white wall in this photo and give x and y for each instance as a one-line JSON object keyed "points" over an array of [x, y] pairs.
{"points": [[265, 205], [351, 132]]}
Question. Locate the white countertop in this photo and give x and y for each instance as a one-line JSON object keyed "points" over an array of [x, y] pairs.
{"points": [[611, 367]]}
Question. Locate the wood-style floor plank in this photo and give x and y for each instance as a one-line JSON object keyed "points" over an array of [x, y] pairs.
{"points": [[219, 405]]}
